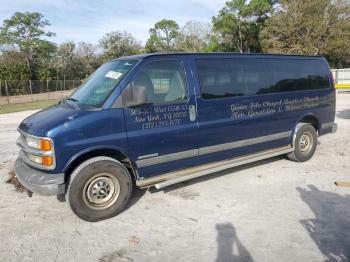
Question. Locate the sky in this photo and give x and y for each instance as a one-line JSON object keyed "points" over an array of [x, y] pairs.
{"points": [[88, 20]]}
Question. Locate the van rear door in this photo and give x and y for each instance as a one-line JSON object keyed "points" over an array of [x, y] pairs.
{"points": [[162, 134]]}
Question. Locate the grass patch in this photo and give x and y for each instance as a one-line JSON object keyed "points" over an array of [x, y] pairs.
{"points": [[4, 109]]}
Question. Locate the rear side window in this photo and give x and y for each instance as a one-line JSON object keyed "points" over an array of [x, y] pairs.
{"points": [[244, 77]]}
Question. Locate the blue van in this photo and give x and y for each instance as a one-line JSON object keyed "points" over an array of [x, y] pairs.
{"points": [[160, 119]]}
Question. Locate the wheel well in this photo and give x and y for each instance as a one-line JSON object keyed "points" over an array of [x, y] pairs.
{"points": [[103, 152], [311, 120]]}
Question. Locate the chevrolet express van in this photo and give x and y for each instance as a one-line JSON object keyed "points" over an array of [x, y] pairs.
{"points": [[160, 119]]}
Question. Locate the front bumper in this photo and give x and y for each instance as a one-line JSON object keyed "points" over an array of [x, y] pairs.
{"points": [[39, 182]]}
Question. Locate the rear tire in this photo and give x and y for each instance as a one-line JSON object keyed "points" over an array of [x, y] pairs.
{"points": [[305, 143], [99, 188]]}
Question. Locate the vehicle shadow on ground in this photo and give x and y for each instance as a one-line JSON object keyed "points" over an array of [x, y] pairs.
{"points": [[345, 114], [137, 194], [230, 249], [217, 174], [330, 229]]}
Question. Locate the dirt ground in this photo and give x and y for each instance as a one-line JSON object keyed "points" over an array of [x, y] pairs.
{"points": [[273, 210]]}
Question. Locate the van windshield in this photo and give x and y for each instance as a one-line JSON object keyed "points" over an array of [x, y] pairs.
{"points": [[95, 91]]}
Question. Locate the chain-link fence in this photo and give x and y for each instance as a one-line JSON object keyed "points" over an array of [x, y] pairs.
{"points": [[22, 91]]}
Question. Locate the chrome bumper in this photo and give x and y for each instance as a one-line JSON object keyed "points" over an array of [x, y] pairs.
{"points": [[39, 182]]}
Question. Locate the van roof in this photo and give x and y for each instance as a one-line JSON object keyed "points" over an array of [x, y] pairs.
{"points": [[142, 56]]}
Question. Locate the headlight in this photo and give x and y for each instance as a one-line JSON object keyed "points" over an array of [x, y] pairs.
{"points": [[39, 143], [37, 151], [41, 160]]}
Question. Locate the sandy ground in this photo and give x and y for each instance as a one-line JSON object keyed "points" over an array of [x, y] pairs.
{"points": [[274, 210]]}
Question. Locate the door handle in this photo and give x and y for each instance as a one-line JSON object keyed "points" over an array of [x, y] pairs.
{"points": [[192, 112]]}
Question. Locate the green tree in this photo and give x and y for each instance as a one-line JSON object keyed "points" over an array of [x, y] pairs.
{"points": [[24, 31], [116, 44], [65, 61], [13, 66], [194, 36], [238, 25], [163, 37], [76, 61], [88, 57], [311, 27], [42, 61]]}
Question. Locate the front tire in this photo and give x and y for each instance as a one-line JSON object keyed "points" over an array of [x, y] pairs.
{"points": [[99, 188], [305, 143]]}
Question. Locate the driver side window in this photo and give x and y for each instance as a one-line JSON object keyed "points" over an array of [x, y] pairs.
{"points": [[160, 82]]}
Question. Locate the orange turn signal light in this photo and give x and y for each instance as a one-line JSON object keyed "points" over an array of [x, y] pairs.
{"points": [[47, 160], [45, 145]]}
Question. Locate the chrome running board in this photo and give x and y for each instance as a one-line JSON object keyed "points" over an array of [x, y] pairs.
{"points": [[171, 178]]}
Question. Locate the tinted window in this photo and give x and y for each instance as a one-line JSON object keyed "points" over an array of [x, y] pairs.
{"points": [[243, 77], [164, 81]]}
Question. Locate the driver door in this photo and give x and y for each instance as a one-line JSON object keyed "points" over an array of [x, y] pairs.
{"points": [[162, 131]]}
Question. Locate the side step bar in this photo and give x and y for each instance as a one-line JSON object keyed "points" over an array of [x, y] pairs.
{"points": [[171, 178]]}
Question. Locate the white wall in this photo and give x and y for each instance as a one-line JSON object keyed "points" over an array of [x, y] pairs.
{"points": [[341, 76]]}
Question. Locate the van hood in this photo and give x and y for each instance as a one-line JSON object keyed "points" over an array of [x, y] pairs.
{"points": [[45, 121]]}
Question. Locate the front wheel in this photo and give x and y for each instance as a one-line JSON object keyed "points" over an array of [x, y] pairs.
{"points": [[99, 188], [305, 143]]}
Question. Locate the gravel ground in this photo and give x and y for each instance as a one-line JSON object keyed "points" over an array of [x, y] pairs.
{"points": [[273, 210]]}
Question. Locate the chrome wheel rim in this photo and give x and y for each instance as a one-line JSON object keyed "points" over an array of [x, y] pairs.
{"points": [[101, 191], [306, 143]]}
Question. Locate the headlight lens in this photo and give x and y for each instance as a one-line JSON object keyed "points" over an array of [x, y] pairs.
{"points": [[45, 145], [42, 160], [39, 143]]}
